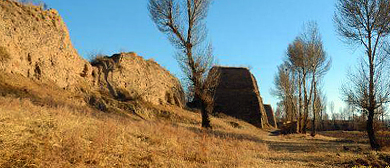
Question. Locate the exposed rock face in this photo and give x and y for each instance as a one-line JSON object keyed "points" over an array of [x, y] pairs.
{"points": [[146, 79], [38, 46], [237, 95], [270, 115]]}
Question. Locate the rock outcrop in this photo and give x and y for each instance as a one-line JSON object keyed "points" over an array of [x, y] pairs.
{"points": [[270, 115], [237, 95], [37, 45]]}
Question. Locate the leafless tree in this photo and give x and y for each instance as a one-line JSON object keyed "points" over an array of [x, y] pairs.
{"points": [[183, 22], [319, 108], [318, 64], [331, 107], [285, 90], [297, 81], [356, 91], [279, 112], [296, 61], [306, 55], [366, 23]]}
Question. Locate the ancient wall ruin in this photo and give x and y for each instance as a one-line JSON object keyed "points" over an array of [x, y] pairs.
{"points": [[146, 79], [270, 115], [237, 95], [38, 46]]}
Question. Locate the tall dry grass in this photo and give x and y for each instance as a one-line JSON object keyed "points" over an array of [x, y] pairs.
{"points": [[45, 126], [35, 136]]}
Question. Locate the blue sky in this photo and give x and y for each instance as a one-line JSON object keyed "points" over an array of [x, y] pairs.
{"points": [[251, 33]]}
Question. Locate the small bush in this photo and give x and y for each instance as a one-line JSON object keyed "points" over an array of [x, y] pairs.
{"points": [[4, 55], [39, 3]]}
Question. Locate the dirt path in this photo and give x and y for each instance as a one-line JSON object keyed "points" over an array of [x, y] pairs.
{"points": [[320, 151]]}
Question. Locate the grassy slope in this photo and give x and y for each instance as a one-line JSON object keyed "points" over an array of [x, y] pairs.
{"points": [[43, 126]]}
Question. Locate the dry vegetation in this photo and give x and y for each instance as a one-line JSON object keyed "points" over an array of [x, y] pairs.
{"points": [[4, 55], [37, 131]]}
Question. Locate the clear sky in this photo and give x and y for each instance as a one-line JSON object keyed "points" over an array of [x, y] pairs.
{"points": [[252, 33]]}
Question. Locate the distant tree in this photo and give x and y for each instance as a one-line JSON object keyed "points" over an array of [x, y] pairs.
{"points": [[320, 108], [285, 90], [298, 78], [298, 64], [366, 23], [279, 112], [319, 65], [183, 23], [306, 55], [332, 112]]}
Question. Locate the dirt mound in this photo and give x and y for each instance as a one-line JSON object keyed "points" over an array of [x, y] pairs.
{"points": [[35, 43], [270, 115], [144, 79], [237, 95]]}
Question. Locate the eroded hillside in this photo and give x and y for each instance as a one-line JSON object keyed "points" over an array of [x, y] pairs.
{"points": [[35, 43], [38, 43], [59, 110]]}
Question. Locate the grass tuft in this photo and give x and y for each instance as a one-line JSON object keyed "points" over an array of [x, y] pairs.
{"points": [[5, 56]]}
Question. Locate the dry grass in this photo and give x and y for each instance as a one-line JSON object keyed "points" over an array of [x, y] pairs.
{"points": [[4, 55], [62, 136], [43, 126]]}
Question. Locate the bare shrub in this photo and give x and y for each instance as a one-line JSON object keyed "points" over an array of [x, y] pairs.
{"points": [[4, 55], [39, 3]]}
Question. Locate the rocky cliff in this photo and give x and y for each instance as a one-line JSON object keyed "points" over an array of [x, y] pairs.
{"points": [[35, 43], [237, 95]]}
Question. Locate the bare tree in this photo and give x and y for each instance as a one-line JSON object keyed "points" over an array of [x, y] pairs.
{"points": [[319, 108], [366, 23], [183, 23], [319, 65], [298, 78], [279, 112], [306, 55], [285, 90]]}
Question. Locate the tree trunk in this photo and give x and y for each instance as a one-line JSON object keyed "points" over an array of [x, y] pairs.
{"points": [[305, 108], [300, 107], [370, 131], [322, 121], [205, 116], [371, 110], [313, 127]]}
